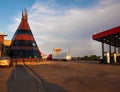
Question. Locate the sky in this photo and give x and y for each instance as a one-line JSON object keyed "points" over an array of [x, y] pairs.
{"points": [[65, 24]]}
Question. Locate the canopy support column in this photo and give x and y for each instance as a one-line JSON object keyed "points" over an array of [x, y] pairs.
{"points": [[115, 49], [118, 49], [110, 53], [103, 50]]}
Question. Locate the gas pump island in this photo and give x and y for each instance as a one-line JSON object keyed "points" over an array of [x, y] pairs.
{"points": [[110, 37]]}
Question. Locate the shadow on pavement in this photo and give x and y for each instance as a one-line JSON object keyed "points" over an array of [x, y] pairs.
{"points": [[55, 88], [21, 81]]}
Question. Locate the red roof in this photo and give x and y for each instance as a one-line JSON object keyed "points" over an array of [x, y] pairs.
{"points": [[106, 33], [111, 36]]}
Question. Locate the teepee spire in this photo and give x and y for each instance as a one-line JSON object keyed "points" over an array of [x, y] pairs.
{"points": [[24, 14]]}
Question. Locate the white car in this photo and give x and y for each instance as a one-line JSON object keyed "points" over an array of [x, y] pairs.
{"points": [[5, 61]]}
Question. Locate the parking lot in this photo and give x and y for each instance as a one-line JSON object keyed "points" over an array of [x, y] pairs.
{"points": [[79, 77], [68, 76]]}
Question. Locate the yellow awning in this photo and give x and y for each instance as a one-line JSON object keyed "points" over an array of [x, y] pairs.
{"points": [[7, 42]]}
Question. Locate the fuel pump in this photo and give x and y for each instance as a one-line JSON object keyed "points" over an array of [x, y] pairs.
{"points": [[106, 57]]}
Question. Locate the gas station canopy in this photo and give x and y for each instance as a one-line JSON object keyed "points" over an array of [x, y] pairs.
{"points": [[110, 37]]}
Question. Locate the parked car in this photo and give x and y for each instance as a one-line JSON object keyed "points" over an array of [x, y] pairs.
{"points": [[6, 61]]}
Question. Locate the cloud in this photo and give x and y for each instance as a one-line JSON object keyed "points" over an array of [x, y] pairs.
{"points": [[72, 27]]}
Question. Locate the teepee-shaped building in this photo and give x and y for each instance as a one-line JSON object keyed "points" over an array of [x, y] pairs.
{"points": [[23, 43]]}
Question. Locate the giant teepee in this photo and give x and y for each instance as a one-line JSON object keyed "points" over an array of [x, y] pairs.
{"points": [[23, 42]]}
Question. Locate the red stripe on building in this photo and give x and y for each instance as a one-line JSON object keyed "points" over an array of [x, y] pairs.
{"points": [[24, 25], [24, 37], [24, 48]]}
